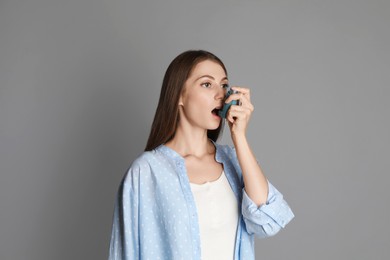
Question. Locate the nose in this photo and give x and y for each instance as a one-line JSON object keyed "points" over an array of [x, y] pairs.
{"points": [[220, 93]]}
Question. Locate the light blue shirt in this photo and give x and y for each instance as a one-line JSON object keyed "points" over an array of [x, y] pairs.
{"points": [[155, 214]]}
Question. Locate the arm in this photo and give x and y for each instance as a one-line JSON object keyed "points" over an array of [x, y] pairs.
{"points": [[256, 185], [269, 218], [264, 210], [124, 243]]}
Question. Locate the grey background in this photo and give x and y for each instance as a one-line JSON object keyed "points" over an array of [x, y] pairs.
{"points": [[79, 83]]}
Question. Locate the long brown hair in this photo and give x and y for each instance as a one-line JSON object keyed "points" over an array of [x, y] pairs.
{"points": [[166, 117]]}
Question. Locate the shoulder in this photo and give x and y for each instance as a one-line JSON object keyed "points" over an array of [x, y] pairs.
{"points": [[146, 161], [151, 162], [142, 164]]}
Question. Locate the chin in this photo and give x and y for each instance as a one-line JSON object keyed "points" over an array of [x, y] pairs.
{"points": [[214, 126]]}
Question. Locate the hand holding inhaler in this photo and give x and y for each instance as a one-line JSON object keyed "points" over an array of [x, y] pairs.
{"points": [[223, 112]]}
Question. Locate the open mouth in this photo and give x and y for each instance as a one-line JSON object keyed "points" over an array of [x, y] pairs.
{"points": [[215, 111]]}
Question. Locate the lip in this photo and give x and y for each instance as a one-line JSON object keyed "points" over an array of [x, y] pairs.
{"points": [[216, 116], [217, 108]]}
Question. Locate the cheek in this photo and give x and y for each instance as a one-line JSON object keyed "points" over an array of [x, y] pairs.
{"points": [[201, 101], [194, 106], [198, 105], [198, 99]]}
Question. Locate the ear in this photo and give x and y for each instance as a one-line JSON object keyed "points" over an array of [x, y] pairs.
{"points": [[181, 100], [183, 97]]}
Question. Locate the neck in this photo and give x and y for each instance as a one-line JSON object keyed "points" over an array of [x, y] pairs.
{"points": [[189, 142]]}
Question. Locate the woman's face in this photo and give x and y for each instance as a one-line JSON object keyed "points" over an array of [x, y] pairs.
{"points": [[203, 95]]}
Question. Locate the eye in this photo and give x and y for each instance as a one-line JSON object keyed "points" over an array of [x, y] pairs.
{"points": [[206, 85], [225, 86]]}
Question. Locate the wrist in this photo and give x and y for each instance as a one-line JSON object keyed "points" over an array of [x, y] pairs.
{"points": [[238, 138]]}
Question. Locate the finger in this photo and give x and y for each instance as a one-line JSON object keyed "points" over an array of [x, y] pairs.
{"points": [[236, 115], [239, 97], [244, 101], [237, 112], [239, 109], [245, 91], [232, 97]]}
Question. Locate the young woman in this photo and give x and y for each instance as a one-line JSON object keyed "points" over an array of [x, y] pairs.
{"points": [[187, 197]]}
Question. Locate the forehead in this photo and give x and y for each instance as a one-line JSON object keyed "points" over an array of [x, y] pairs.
{"points": [[208, 67]]}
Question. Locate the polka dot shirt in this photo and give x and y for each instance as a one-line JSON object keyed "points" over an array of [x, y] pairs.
{"points": [[155, 214]]}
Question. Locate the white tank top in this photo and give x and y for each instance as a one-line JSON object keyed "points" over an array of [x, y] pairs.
{"points": [[218, 217]]}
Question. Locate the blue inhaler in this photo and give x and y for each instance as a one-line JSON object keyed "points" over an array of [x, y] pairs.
{"points": [[222, 113]]}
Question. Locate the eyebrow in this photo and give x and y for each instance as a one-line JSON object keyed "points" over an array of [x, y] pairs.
{"points": [[210, 77]]}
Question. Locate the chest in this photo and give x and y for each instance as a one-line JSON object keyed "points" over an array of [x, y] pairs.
{"points": [[203, 170]]}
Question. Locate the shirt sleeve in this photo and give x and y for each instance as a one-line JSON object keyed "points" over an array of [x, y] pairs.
{"points": [[124, 244], [269, 218]]}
